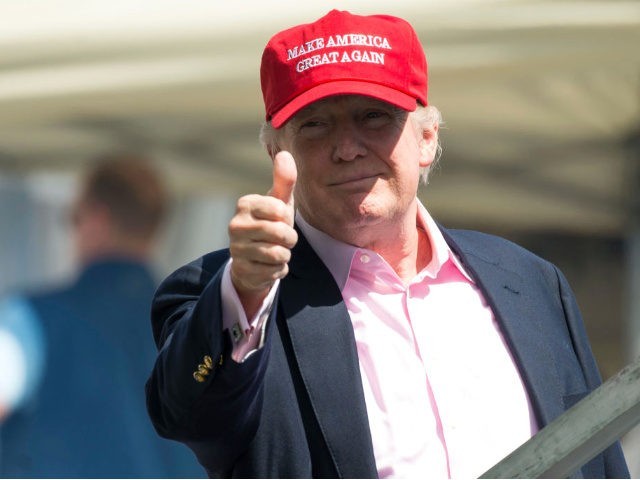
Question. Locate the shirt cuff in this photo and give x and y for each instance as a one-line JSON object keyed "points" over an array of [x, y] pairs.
{"points": [[247, 336]]}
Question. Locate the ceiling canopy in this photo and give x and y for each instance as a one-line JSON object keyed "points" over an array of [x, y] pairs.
{"points": [[540, 98]]}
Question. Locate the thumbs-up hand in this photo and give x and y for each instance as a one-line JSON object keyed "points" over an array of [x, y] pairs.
{"points": [[261, 236], [284, 177]]}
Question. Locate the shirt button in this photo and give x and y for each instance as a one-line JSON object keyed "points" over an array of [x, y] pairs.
{"points": [[365, 258]]}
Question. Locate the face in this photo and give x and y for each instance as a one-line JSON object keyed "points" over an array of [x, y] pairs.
{"points": [[358, 162]]}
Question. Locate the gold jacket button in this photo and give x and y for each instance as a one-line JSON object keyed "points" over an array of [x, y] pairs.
{"points": [[208, 362], [203, 370], [199, 377]]}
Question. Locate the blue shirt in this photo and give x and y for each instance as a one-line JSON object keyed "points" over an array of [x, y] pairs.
{"points": [[86, 416]]}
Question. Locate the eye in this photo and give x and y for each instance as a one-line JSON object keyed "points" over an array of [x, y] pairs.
{"points": [[376, 118], [311, 124], [312, 128]]}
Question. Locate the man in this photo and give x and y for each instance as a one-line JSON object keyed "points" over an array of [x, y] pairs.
{"points": [[350, 335], [86, 417]]}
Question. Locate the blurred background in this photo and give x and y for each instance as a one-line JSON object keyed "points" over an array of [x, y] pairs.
{"points": [[541, 101]]}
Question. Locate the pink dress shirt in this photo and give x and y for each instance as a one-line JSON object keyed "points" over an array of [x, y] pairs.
{"points": [[444, 396]]}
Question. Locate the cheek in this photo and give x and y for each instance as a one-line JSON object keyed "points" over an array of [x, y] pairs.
{"points": [[406, 159], [306, 184], [302, 172], [309, 168]]}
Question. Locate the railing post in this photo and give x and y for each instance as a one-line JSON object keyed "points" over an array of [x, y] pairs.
{"points": [[633, 245]]}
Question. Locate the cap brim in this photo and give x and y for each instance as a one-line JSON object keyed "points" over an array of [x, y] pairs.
{"points": [[343, 87]]}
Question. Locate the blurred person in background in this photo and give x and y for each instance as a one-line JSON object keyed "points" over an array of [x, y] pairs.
{"points": [[344, 333], [80, 353]]}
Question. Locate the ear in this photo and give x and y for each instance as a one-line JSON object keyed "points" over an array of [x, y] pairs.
{"points": [[428, 145]]}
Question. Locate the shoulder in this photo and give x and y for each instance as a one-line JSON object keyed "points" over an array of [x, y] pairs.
{"points": [[489, 247], [195, 274], [482, 248], [180, 291]]}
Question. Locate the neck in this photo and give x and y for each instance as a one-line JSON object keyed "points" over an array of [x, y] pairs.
{"points": [[132, 249], [403, 245], [408, 251]]}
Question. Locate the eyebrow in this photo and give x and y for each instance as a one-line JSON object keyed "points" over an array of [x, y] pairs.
{"points": [[312, 108], [309, 109]]}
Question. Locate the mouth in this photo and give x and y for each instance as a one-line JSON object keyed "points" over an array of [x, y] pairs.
{"points": [[355, 179]]}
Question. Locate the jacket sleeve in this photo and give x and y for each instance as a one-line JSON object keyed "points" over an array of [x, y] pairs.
{"points": [[187, 325], [613, 458]]}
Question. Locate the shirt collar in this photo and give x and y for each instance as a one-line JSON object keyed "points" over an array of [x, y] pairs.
{"points": [[441, 252], [337, 255]]}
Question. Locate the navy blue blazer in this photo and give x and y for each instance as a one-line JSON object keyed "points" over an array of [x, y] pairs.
{"points": [[296, 407], [87, 418]]}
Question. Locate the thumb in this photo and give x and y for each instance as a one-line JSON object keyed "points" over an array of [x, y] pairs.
{"points": [[284, 177]]}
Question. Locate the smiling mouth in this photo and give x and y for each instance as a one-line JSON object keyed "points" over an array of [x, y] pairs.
{"points": [[353, 180]]}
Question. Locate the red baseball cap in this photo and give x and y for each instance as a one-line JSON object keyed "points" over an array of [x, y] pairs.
{"points": [[379, 56]]}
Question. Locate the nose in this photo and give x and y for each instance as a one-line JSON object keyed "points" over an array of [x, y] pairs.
{"points": [[348, 142]]}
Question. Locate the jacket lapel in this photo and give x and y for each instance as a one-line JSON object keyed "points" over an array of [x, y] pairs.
{"points": [[324, 348], [517, 312]]}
